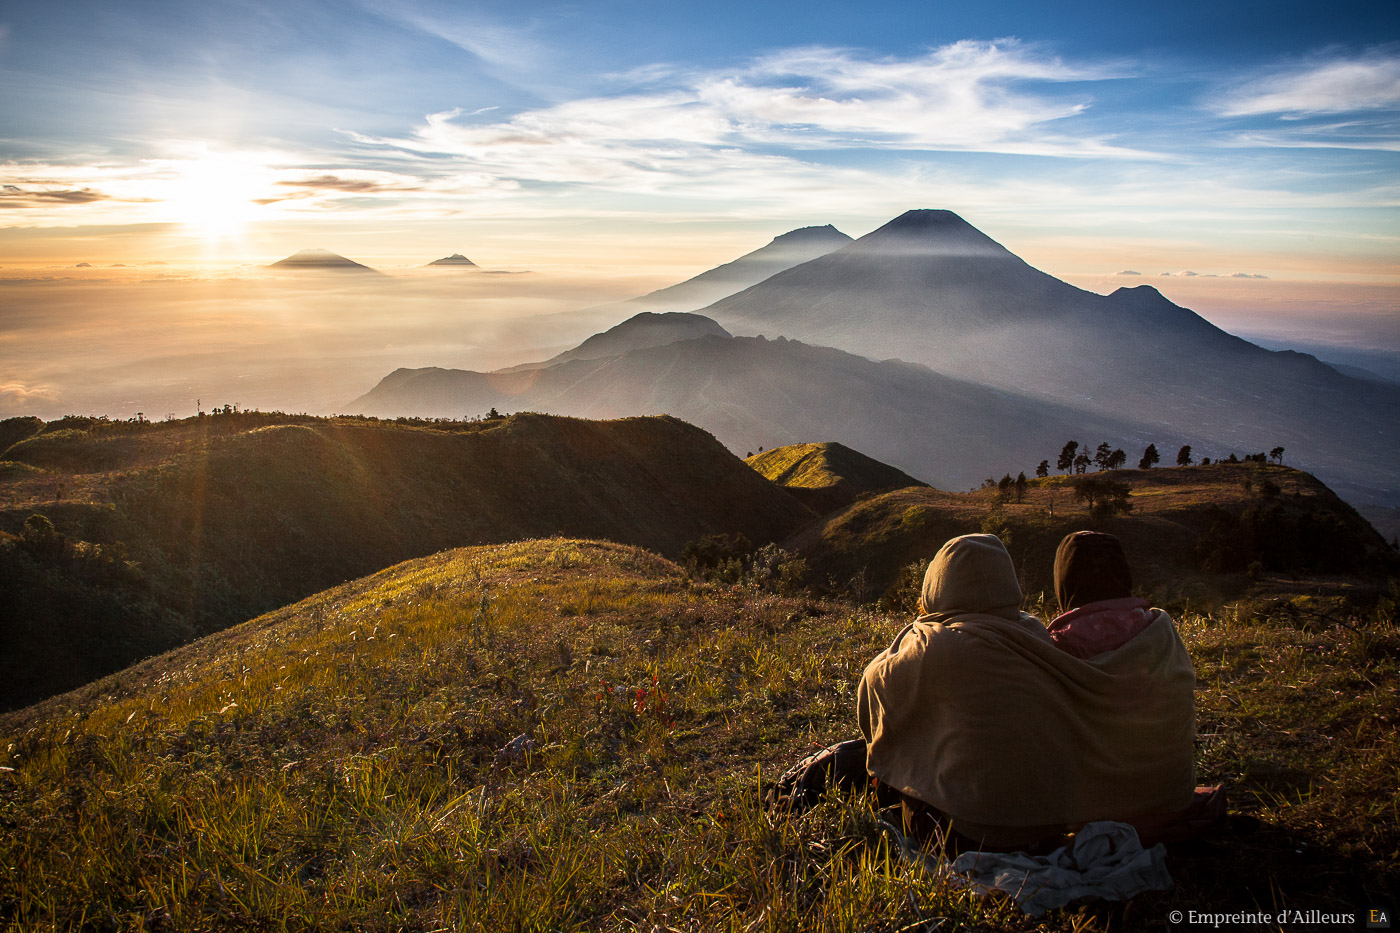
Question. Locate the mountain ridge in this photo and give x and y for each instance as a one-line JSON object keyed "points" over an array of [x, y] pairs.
{"points": [[160, 531], [751, 392], [928, 288]]}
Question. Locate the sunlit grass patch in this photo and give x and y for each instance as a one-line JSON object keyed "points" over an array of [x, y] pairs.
{"points": [[573, 735]]}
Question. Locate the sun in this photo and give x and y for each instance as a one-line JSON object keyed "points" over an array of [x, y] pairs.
{"points": [[216, 195]]}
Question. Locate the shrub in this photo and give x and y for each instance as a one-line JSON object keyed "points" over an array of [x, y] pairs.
{"points": [[1105, 497]]}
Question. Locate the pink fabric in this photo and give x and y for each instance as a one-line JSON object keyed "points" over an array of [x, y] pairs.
{"points": [[1098, 627]]}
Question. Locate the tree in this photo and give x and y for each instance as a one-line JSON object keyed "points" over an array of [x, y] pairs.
{"points": [[1149, 457], [1232, 458], [1004, 487], [1276, 455], [1101, 455], [1205, 461], [1117, 459], [1183, 456], [1081, 463], [41, 538], [1067, 452], [1104, 496], [1021, 484], [1043, 470]]}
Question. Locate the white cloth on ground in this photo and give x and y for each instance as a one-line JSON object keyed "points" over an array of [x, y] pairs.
{"points": [[1105, 860]]}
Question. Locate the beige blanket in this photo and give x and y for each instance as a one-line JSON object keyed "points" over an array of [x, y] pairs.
{"points": [[987, 720]]}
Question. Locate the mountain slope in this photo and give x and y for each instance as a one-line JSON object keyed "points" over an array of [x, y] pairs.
{"points": [[930, 288], [320, 260], [646, 329], [751, 392], [183, 527], [570, 735], [828, 475], [1193, 534], [783, 252], [456, 260]]}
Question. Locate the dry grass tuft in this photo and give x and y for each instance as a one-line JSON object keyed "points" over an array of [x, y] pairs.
{"points": [[570, 735]]}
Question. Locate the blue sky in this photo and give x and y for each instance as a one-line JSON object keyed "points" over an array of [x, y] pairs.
{"points": [[1216, 137]]}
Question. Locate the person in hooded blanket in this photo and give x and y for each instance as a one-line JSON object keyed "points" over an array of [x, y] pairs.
{"points": [[1008, 735]]}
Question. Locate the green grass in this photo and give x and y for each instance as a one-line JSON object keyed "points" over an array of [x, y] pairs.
{"points": [[354, 762], [864, 548], [233, 515]]}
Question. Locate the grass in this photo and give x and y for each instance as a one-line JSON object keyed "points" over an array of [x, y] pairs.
{"points": [[573, 735], [827, 475], [232, 515], [865, 547]]}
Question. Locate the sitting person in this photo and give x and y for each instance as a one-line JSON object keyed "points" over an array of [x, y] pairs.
{"points": [[1094, 587], [988, 729]]}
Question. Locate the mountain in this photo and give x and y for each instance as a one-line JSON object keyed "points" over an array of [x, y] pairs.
{"points": [[1203, 534], [320, 260], [154, 533], [647, 329], [751, 392], [828, 475], [784, 252], [930, 288], [456, 260]]}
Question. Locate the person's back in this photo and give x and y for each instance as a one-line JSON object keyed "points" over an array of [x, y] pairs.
{"points": [[1094, 587], [977, 713]]}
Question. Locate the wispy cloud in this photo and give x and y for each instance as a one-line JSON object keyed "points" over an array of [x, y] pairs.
{"points": [[1376, 136], [967, 97], [1340, 85], [16, 395], [14, 197], [509, 52], [766, 129]]}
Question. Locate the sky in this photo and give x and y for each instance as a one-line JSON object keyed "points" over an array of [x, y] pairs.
{"points": [[1244, 157]]}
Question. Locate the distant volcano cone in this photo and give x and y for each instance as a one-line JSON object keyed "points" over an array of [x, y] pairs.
{"points": [[319, 260], [931, 233], [783, 252], [456, 260]]}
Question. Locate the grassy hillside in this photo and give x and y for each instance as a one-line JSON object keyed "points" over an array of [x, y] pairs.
{"points": [[829, 475], [1195, 535], [162, 531], [571, 735]]}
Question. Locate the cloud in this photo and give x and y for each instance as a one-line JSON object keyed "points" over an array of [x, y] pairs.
{"points": [[1342, 85], [1376, 137], [1129, 272], [16, 394], [14, 197], [351, 185], [508, 50], [1247, 275], [968, 96], [688, 134]]}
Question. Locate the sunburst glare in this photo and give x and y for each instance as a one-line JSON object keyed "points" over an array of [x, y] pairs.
{"points": [[216, 195]]}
